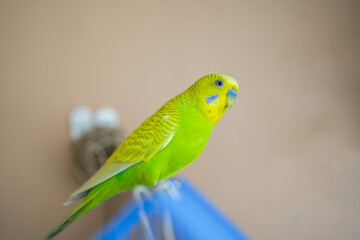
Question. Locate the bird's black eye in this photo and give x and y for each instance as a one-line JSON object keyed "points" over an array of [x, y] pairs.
{"points": [[219, 83]]}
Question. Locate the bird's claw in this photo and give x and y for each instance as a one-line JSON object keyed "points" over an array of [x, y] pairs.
{"points": [[171, 186]]}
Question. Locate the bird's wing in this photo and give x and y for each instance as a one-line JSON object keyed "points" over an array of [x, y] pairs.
{"points": [[141, 145]]}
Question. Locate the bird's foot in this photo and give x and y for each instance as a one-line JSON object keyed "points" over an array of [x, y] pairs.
{"points": [[171, 186]]}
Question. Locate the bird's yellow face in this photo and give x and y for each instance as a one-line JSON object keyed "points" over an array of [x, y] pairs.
{"points": [[216, 93]]}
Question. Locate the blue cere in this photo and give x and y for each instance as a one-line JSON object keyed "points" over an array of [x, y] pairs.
{"points": [[232, 93], [211, 98]]}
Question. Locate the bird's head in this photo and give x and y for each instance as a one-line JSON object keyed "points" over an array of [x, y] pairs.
{"points": [[215, 93]]}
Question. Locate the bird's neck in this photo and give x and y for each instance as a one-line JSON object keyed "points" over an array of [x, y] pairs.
{"points": [[212, 112], [187, 99]]}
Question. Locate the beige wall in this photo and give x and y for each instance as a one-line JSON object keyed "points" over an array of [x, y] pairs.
{"points": [[284, 163]]}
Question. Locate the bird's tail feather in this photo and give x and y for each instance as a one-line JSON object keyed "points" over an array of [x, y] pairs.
{"points": [[83, 207]]}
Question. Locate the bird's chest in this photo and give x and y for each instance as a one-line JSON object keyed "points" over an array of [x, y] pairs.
{"points": [[187, 144]]}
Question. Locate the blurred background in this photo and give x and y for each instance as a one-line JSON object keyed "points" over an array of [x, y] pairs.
{"points": [[283, 163]]}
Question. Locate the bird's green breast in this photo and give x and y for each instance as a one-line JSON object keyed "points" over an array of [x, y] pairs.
{"points": [[187, 143]]}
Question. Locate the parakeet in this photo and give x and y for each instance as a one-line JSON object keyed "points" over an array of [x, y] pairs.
{"points": [[166, 142]]}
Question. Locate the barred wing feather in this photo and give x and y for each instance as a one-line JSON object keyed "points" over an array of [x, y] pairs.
{"points": [[141, 145]]}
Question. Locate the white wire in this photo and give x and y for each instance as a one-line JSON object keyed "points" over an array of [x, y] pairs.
{"points": [[138, 194]]}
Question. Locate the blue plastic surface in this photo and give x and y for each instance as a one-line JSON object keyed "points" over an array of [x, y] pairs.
{"points": [[192, 217]]}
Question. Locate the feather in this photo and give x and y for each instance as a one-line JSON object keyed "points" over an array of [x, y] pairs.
{"points": [[149, 138]]}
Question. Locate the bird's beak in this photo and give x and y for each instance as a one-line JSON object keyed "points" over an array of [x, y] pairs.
{"points": [[231, 96]]}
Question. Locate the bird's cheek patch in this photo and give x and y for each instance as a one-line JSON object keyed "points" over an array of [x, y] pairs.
{"points": [[211, 98]]}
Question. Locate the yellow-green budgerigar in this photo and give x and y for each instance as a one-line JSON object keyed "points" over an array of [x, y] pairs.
{"points": [[169, 140]]}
